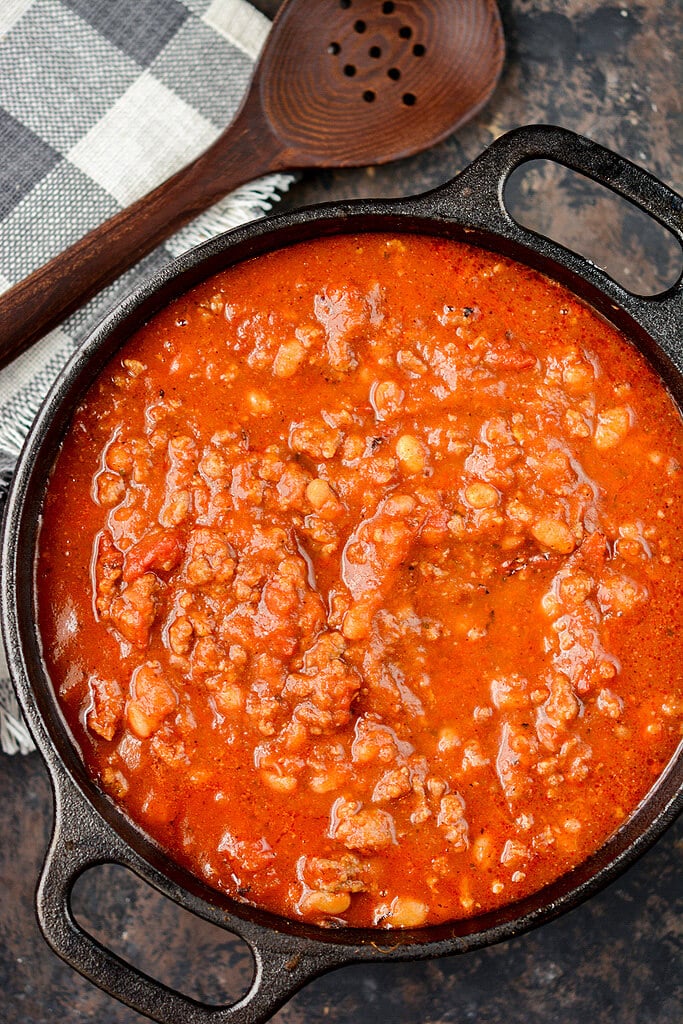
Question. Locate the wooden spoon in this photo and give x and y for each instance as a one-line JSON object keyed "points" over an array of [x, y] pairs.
{"points": [[340, 83]]}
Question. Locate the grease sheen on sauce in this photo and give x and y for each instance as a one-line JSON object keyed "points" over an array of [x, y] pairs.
{"points": [[360, 580]]}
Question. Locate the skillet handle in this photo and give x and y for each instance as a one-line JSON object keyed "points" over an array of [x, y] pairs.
{"points": [[477, 197], [283, 964]]}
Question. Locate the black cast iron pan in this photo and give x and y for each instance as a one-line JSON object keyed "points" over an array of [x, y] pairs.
{"points": [[89, 829]]}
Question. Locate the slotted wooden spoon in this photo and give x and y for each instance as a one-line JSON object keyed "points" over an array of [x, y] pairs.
{"points": [[340, 83]]}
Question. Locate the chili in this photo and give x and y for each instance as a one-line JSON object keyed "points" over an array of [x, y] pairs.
{"points": [[360, 580]]}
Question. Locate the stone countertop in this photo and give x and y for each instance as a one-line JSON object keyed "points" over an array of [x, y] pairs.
{"points": [[613, 72]]}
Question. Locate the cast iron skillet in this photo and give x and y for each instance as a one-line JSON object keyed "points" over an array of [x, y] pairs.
{"points": [[89, 829]]}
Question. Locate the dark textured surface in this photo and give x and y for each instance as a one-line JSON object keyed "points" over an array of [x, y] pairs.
{"points": [[613, 73]]}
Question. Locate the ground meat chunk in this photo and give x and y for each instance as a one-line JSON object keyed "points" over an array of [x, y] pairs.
{"points": [[372, 553], [279, 607], [575, 758], [517, 756], [180, 633], [326, 688], [580, 654], [133, 613], [374, 742], [341, 874], [511, 691], [119, 458], [211, 558], [110, 488], [283, 593], [576, 588], [345, 316], [264, 701], [367, 830], [554, 716], [453, 822], [108, 572], [562, 705], [106, 706], [246, 487], [392, 785], [291, 487], [315, 438], [619, 594], [609, 704]]}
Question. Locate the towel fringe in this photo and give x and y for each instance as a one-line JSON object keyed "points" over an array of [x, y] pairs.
{"points": [[14, 735], [14, 431], [244, 204]]}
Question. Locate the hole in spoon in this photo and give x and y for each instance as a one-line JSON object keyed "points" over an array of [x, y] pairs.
{"points": [[369, 96], [419, 50], [334, 49], [375, 51], [349, 70], [405, 32], [359, 26], [388, 7], [410, 99], [345, 4], [394, 74]]}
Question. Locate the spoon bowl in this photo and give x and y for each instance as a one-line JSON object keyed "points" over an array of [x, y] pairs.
{"points": [[370, 81], [340, 83]]}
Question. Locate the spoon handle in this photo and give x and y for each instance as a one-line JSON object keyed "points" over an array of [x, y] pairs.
{"points": [[29, 309]]}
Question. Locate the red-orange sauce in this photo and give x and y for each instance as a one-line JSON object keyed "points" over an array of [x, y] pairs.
{"points": [[360, 580]]}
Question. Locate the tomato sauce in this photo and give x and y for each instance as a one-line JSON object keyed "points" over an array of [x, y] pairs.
{"points": [[360, 580]]}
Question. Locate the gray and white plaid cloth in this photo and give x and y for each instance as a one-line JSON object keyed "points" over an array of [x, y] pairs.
{"points": [[101, 100]]}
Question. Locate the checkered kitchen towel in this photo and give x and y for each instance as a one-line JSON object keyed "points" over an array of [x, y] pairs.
{"points": [[100, 100]]}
